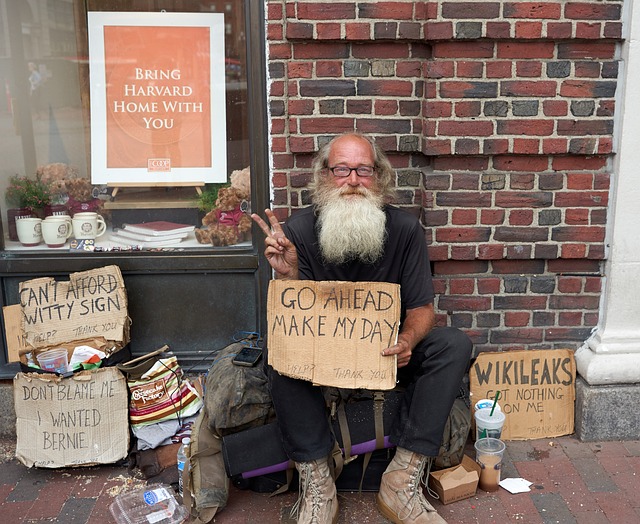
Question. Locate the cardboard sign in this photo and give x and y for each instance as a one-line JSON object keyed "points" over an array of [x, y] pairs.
{"points": [[332, 333], [91, 304], [16, 343], [75, 421], [537, 390]]}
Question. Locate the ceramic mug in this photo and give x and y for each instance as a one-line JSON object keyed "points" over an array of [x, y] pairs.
{"points": [[29, 231], [88, 225], [56, 231]]}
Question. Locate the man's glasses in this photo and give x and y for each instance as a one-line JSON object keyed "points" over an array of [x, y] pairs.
{"points": [[344, 171]]}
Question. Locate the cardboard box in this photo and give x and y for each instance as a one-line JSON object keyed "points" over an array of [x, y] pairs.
{"points": [[77, 421], [537, 390], [456, 483], [333, 333]]}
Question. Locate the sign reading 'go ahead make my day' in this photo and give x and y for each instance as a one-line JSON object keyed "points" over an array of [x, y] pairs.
{"points": [[333, 333]]}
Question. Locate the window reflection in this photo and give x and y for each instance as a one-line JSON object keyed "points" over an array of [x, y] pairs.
{"points": [[45, 125]]}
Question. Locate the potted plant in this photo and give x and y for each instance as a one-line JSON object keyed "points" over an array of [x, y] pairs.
{"points": [[25, 197]]}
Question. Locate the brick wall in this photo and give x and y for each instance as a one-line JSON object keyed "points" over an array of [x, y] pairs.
{"points": [[498, 116]]}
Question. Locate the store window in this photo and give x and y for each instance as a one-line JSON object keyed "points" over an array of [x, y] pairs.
{"points": [[125, 126]]}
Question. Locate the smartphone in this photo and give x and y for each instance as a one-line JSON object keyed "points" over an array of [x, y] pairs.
{"points": [[247, 356]]}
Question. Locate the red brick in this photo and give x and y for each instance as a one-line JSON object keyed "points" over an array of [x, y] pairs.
{"points": [[528, 69], [559, 30], [521, 217], [326, 125], [463, 234], [440, 69], [461, 217], [555, 107], [467, 69], [399, 10], [497, 30], [529, 127], [493, 146], [490, 251], [488, 286], [474, 10], [459, 267], [516, 163], [465, 128], [328, 68], [588, 31], [499, 69], [577, 217], [528, 30], [468, 108], [579, 181], [438, 30], [591, 11], [565, 163], [516, 318], [357, 31], [437, 147], [325, 10], [578, 234], [539, 10], [461, 286], [525, 146], [463, 50], [464, 303], [540, 88], [460, 164], [587, 50], [492, 217], [522, 50], [331, 31]]}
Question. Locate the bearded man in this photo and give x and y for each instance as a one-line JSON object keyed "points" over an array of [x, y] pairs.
{"points": [[352, 233]]}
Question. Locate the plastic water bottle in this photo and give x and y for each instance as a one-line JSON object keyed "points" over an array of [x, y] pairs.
{"points": [[183, 452], [154, 503]]}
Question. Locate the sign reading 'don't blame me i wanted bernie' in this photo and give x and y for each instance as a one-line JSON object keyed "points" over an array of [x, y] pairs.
{"points": [[333, 333]]}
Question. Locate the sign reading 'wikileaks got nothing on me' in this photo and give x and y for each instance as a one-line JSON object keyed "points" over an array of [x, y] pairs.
{"points": [[333, 333], [537, 390]]}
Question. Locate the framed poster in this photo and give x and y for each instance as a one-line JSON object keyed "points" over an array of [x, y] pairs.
{"points": [[157, 85]]}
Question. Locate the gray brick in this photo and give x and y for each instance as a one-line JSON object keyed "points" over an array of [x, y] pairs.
{"points": [[549, 217], [493, 181], [552, 508], [471, 30], [496, 108], [543, 284], [408, 143], [524, 107], [558, 69], [356, 68], [383, 68], [331, 107], [583, 107], [516, 284]]}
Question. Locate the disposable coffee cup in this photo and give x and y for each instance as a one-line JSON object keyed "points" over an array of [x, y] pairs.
{"points": [[488, 425], [489, 453], [55, 360]]}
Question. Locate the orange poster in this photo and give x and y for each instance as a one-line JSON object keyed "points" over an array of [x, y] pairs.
{"points": [[157, 97]]}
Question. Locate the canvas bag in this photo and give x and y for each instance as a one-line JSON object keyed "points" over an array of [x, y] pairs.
{"points": [[158, 389], [236, 398]]}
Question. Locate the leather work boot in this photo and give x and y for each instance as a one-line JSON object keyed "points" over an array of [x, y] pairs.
{"points": [[318, 500], [400, 498]]}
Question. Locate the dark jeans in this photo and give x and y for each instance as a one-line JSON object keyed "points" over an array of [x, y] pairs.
{"points": [[432, 380]]}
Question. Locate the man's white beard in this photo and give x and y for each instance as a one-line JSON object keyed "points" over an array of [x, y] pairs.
{"points": [[350, 228]]}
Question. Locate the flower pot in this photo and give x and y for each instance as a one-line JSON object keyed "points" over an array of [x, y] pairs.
{"points": [[16, 214]]}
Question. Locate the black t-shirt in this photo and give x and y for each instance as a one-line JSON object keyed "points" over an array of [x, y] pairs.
{"points": [[405, 260]]}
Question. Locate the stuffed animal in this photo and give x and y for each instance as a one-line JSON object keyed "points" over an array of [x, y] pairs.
{"points": [[81, 197], [55, 176], [241, 179], [227, 223]]}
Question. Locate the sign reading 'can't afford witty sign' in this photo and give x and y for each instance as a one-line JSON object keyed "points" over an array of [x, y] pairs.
{"points": [[332, 333], [537, 390]]}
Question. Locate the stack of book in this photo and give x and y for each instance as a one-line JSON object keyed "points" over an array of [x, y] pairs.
{"points": [[152, 234]]}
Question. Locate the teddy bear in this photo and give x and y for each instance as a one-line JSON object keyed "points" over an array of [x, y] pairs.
{"points": [[227, 223], [80, 191], [56, 175]]}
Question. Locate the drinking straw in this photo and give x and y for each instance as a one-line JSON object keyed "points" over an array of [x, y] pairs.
{"points": [[495, 401]]}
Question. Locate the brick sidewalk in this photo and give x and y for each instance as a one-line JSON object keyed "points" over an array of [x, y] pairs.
{"points": [[573, 482]]}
